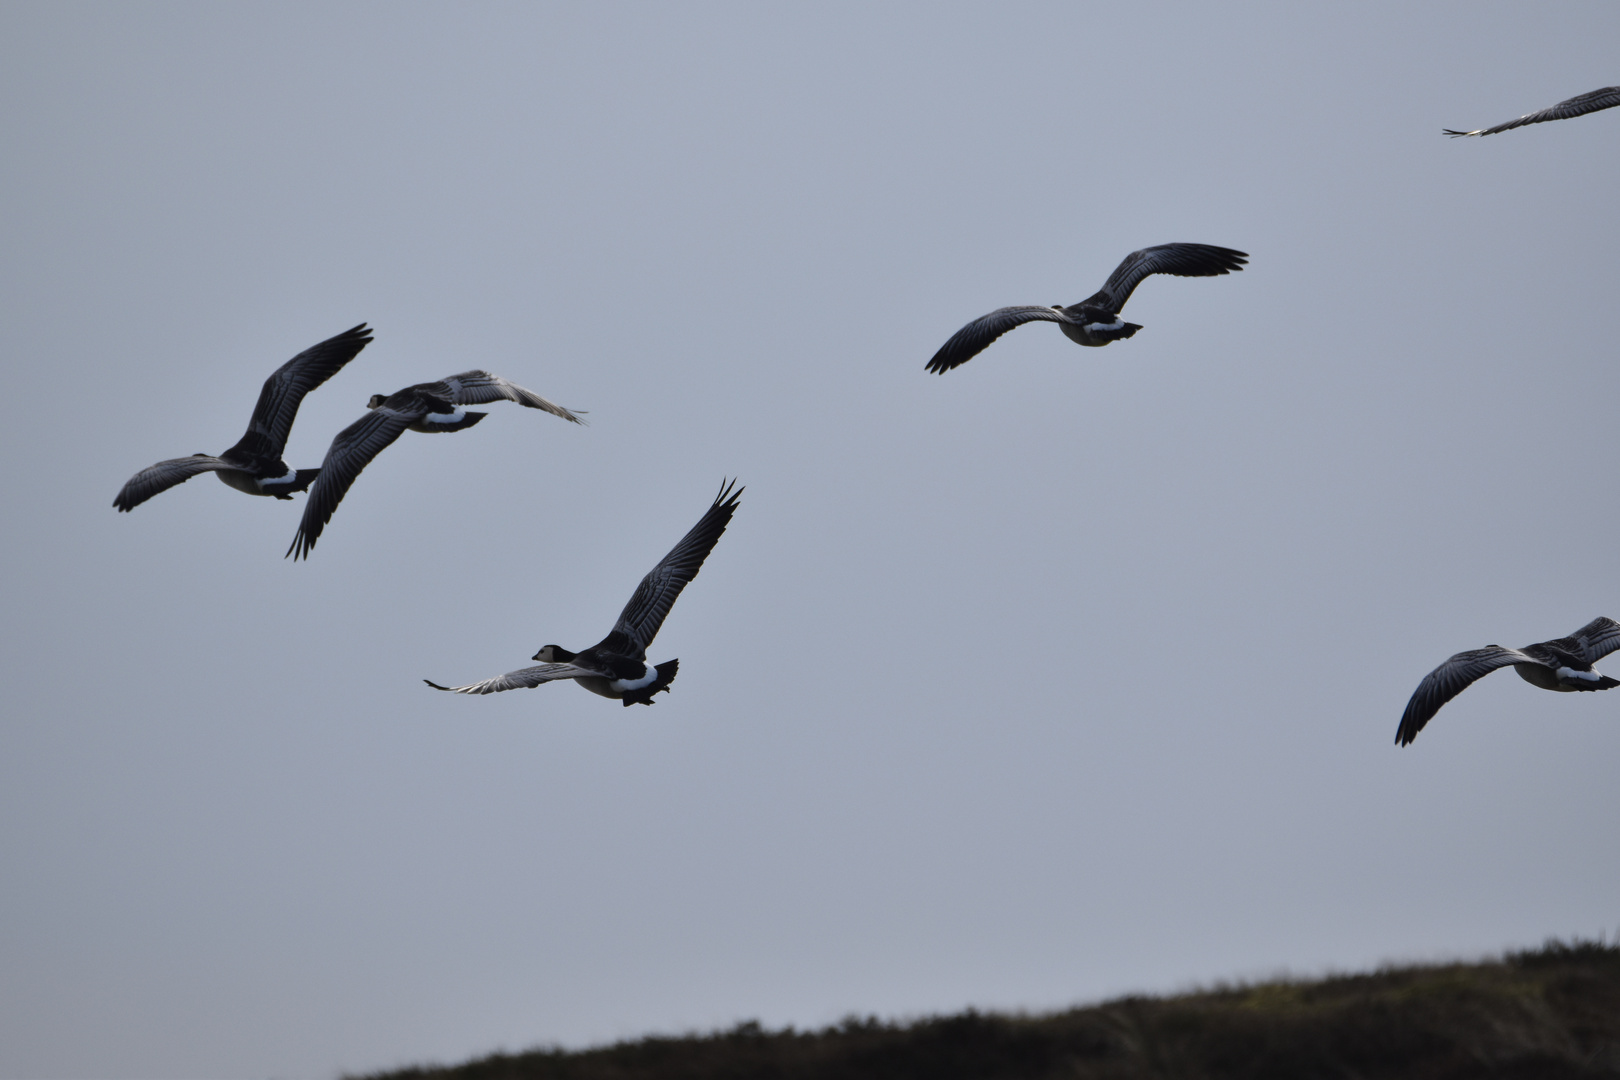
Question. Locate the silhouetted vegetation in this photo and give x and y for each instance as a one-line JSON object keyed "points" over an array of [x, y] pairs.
{"points": [[1546, 1014]]}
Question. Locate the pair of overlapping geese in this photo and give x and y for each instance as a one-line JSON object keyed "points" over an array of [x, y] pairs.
{"points": [[617, 667]]}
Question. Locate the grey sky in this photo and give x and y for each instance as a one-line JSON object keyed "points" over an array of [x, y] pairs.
{"points": [[1069, 673]]}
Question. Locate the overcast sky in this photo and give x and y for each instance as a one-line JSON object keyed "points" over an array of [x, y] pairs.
{"points": [[1070, 673]]}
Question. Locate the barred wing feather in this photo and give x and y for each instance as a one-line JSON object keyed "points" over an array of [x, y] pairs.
{"points": [[1597, 639], [639, 621], [523, 678], [977, 335], [1450, 679], [1579, 105], [1179, 260], [163, 476], [482, 387], [351, 451], [284, 390]]}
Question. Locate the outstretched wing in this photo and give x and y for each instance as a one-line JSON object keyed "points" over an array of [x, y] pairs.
{"points": [[1580, 105], [639, 621], [482, 387], [163, 476], [1181, 260], [977, 335], [349, 453], [520, 679], [284, 390], [1450, 679], [1596, 639]]}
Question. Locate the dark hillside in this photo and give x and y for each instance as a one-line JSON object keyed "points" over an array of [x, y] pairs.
{"points": [[1543, 1014]]}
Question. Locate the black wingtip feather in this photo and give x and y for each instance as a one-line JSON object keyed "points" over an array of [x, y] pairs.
{"points": [[302, 545]]}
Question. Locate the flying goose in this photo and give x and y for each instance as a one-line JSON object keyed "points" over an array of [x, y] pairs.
{"points": [[1579, 105], [254, 464], [1094, 321], [616, 666], [434, 406], [1563, 664]]}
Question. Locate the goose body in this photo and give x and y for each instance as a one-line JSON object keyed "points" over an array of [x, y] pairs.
{"points": [[1094, 321], [254, 464], [429, 407], [1563, 665], [617, 667], [1579, 105]]}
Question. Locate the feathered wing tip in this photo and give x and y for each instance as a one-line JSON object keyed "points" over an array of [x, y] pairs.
{"points": [[666, 675], [1447, 681], [1597, 639], [479, 387], [977, 335], [302, 545], [531, 400], [1606, 97], [639, 621], [351, 451], [727, 499], [284, 390], [1177, 260], [1417, 714], [161, 477]]}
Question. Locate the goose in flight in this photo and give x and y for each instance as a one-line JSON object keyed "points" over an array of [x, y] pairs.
{"points": [[434, 406], [1563, 664], [1094, 321], [254, 464], [1579, 105], [616, 666]]}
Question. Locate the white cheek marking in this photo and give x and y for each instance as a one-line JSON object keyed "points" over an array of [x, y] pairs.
{"points": [[292, 474], [1571, 673], [1115, 325], [622, 685], [447, 418]]}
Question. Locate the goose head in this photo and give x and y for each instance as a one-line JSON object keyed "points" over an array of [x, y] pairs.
{"points": [[554, 654]]}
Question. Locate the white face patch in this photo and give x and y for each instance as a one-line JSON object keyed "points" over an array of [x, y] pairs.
{"points": [[447, 418], [1115, 325], [622, 685], [292, 474]]}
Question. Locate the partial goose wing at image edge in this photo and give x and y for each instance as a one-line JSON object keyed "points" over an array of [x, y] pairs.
{"points": [[1593, 101], [1597, 639]]}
